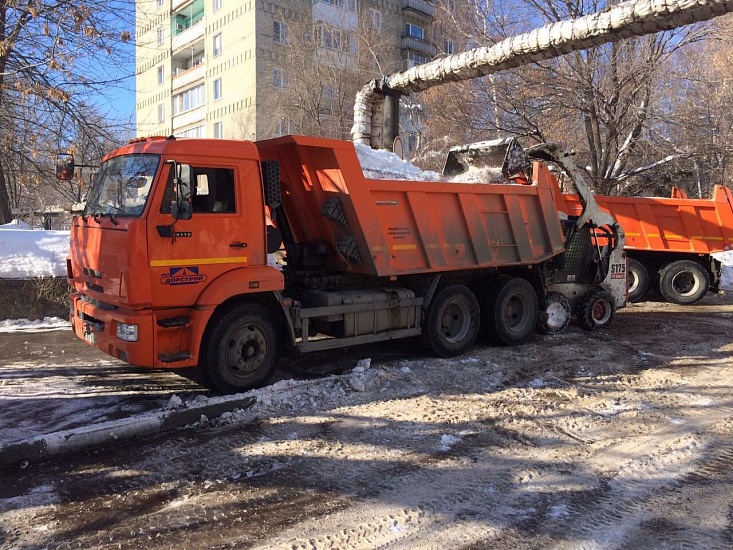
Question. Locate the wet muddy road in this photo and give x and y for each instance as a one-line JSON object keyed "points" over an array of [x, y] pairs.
{"points": [[617, 439]]}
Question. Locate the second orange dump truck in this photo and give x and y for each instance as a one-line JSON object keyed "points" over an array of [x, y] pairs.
{"points": [[169, 261], [670, 241]]}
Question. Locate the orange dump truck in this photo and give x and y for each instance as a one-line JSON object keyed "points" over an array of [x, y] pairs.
{"points": [[669, 241], [169, 261]]}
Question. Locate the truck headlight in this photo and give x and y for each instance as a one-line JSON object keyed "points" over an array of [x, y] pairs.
{"points": [[126, 332]]}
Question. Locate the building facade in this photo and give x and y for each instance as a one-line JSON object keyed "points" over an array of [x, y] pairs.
{"points": [[252, 69]]}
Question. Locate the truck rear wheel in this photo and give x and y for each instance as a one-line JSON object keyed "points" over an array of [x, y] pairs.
{"points": [[595, 310], [683, 282], [510, 311], [556, 315], [242, 349], [638, 280], [452, 322]]}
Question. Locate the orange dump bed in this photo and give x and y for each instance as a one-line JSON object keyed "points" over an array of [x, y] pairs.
{"points": [[676, 224], [385, 227]]}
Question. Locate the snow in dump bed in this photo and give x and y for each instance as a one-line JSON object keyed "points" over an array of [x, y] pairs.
{"points": [[381, 164]]}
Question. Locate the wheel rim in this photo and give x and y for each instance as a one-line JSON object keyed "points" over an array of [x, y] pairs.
{"points": [[633, 281], [686, 283], [601, 311], [556, 315], [455, 322], [246, 350], [515, 312]]}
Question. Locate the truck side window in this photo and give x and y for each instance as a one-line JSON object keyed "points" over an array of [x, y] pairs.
{"points": [[213, 191]]}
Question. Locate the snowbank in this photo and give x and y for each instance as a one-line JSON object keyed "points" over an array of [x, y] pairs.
{"points": [[27, 253]]}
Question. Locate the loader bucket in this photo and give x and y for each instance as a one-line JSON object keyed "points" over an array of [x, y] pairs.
{"points": [[503, 155]]}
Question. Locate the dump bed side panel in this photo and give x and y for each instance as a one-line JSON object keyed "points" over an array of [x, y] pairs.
{"points": [[402, 227], [670, 224]]}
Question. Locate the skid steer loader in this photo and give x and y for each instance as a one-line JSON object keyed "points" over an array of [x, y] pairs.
{"points": [[589, 279]]}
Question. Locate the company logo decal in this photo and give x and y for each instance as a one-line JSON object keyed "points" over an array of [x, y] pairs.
{"points": [[618, 271], [182, 276]]}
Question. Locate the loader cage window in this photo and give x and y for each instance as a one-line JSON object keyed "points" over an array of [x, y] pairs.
{"points": [[213, 191]]}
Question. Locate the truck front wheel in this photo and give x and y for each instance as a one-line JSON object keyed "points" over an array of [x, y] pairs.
{"points": [[452, 322], [683, 282], [242, 349]]}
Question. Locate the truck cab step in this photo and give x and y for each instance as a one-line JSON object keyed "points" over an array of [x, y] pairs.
{"points": [[174, 357], [170, 322]]}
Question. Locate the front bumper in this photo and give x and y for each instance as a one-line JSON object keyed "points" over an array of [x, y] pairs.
{"points": [[97, 325]]}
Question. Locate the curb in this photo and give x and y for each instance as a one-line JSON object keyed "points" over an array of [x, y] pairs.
{"points": [[44, 447]]}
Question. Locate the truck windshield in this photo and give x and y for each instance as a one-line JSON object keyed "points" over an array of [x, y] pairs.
{"points": [[122, 186]]}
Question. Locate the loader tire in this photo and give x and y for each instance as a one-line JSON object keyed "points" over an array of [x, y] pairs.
{"points": [[556, 315], [595, 310], [242, 349], [511, 310], [683, 282], [638, 280], [452, 322]]}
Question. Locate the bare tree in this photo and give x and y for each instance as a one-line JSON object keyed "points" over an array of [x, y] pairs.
{"points": [[54, 57]]}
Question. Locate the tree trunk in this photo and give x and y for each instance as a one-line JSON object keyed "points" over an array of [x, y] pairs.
{"points": [[6, 215]]}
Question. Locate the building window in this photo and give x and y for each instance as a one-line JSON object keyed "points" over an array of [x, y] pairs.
{"points": [[279, 78], [161, 74], [217, 45], [160, 3], [375, 20], [217, 89], [283, 127], [414, 31], [333, 38], [449, 47], [343, 4], [196, 132], [218, 130], [161, 35], [279, 32], [217, 5], [415, 58], [190, 99], [161, 112]]}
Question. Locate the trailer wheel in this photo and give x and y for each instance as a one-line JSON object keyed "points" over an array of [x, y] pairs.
{"points": [[242, 350], [638, 280], [556, 315], [683, 282], [452, 322], [510, 312], [595, 310]]}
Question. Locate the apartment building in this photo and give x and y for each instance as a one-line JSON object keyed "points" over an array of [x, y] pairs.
{"points": [[231, 68]]}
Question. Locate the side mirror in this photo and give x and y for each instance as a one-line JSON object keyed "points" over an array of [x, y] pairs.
{"points": [[64, 166], [183, 181], [181, 210]]}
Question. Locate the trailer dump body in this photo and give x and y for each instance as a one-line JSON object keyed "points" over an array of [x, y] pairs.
{"points": [[670, 224], [389, 228]]}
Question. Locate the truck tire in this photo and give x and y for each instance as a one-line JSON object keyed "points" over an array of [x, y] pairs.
{"points": [[683, 282], [452, 322], [556, 315], [242, 349], [638, 280], [510, 312], [595, 310]]}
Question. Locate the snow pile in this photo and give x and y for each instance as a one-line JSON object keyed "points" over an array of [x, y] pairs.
{"points": [[381, 164], [27, 253], [40, 325]]}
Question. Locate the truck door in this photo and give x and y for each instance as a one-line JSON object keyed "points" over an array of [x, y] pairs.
{"points": [[225, 232]]}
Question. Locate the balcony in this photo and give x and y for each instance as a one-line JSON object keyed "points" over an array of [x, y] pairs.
{"points": [[189, 117], [185, 77], [191, 34], [419, 45], [419, 7]]}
